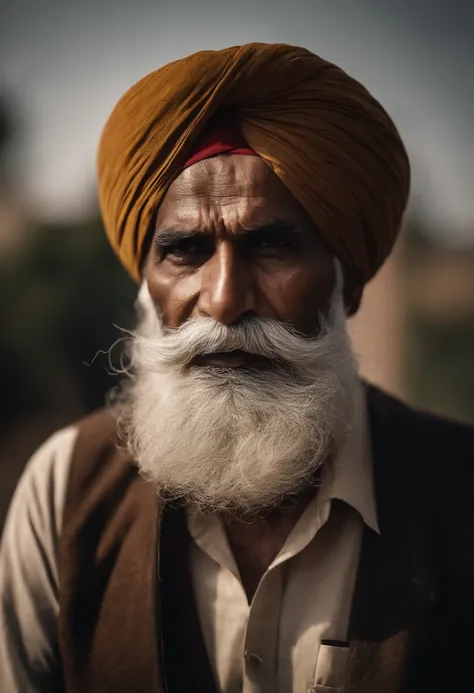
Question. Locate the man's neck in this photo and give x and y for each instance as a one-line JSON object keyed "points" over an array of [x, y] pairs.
{"points": [[256, 541]]}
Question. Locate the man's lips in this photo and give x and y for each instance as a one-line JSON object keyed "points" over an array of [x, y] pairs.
{"points": [[231, 359]]}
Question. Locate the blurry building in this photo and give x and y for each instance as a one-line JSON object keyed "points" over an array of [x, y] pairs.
{"points": [[377, 331], [13, 223], [414, 333], [442, 288], [439, 363]]}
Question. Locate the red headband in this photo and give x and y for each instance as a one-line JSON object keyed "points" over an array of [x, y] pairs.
{"points": [[223, 137]]}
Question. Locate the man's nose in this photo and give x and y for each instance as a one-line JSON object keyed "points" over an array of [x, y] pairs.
{"points": [[227, 289]]}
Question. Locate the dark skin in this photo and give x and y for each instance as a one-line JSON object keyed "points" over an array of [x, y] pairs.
{"points": [[231, 241]]}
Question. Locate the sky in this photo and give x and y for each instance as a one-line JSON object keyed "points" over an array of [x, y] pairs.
{"points": [[65, 64]]}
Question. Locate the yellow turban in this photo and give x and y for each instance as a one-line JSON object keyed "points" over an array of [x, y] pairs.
{"points": [[322, 133]]}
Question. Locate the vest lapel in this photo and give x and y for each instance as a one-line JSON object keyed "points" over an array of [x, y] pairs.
{"points": [[395, 588], [185, 661], [107, 628]]}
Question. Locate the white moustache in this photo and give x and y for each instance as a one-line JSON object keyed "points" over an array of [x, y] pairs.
{"points": [[263, 337]]}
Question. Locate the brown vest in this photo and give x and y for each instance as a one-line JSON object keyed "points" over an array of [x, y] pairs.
{"points": [[128, 622]]}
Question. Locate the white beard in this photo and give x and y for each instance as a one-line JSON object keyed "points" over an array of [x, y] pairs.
{"points": [[237, 440]]}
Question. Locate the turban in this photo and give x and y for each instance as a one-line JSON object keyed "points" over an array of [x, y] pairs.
{"points": [[322, 133], [221, 136]]}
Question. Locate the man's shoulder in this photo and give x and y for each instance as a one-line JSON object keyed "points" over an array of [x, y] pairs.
{"points": [[422, 427], [97, 430], [424, 465], [426, 450], [99, 425], [98, 452]]}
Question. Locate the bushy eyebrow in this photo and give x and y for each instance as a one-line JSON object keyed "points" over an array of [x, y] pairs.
{"points": [[173, 235], [278, 227]]}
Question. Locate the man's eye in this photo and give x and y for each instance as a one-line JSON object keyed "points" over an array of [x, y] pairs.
{"points": [[184, 248], [274, 244], [184, 251]]}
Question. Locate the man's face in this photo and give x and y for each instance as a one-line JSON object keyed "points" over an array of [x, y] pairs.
{"points": [[243, 380], [231, 241]]}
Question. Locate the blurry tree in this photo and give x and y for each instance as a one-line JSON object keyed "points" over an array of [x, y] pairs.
{"points": [[62, 293], [5, 125], [10, 128], [440, 369], [439, 343]]}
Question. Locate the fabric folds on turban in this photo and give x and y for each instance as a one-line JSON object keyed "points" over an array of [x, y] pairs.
{"points": [[329, 141]]}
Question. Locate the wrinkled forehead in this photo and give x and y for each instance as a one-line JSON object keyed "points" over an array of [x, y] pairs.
{"points": [[234, 188]]}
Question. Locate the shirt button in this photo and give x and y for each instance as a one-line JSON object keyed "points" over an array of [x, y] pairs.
{"points": [[252, 660]]}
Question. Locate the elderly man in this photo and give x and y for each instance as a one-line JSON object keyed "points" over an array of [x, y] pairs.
{"points": [[248, 515]]}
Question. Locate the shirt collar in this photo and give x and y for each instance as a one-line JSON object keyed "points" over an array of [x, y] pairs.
{"points": [[351, 479]]}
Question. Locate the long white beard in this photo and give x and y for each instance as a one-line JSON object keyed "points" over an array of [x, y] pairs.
{"points": [[235, 440]]}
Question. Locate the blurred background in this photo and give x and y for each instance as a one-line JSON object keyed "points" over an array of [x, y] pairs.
{"points": [[64, 64]]}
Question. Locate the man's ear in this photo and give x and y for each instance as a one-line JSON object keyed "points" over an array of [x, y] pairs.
{"points": [[352, 294]]}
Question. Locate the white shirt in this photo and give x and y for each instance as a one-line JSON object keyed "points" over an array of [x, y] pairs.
{"points": [[304, 597], [272, 645]]}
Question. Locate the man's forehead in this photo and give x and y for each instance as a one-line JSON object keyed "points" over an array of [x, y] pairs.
{"points": [[244, 183]]}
